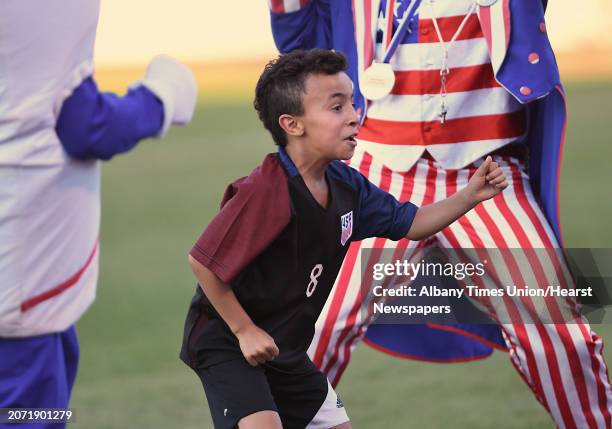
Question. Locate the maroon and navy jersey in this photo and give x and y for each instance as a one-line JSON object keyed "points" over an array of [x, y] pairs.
{"points": [[280, 251]]}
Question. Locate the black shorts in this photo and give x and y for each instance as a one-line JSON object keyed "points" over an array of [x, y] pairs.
{"points": [[302, 396]]}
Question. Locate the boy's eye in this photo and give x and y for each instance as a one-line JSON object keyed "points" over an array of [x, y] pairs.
{"points": [[337, 108]]}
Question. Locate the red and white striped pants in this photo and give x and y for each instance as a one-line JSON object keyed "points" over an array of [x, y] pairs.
{"points": [[561, 363]]}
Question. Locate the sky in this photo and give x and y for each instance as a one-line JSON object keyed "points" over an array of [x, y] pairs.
{"points": [[131, 32]]}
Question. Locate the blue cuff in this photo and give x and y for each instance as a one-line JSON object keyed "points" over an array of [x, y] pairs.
{"points": [[95, 125]]}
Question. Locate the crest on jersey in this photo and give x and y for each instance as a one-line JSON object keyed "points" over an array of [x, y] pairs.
{"points": [[346, 222]]}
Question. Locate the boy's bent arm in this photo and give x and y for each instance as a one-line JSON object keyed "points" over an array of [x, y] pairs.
{"points": [[221, 297], [488, 181], [256, 345]]}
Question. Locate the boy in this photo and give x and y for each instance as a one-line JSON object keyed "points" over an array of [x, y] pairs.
{"points": [[267, 261]]}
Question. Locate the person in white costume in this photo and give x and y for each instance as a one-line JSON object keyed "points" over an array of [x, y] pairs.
{"points": [[55, 126]]}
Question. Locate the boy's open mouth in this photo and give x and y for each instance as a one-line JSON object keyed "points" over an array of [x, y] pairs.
{"points": [[351, 138]]}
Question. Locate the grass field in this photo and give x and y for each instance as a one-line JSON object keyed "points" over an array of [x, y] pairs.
{"points": [[157, 199]]}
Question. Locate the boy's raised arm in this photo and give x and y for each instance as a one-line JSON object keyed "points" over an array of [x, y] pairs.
{"points": [[487, 181], [256, 345]]}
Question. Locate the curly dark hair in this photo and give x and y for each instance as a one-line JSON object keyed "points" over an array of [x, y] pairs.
{"points": [[280, 87]]}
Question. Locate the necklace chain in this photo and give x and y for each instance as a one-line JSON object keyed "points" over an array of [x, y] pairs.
{"points": [[444, 70]]}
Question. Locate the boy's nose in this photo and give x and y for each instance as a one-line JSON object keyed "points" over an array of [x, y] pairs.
{"points": [[355, 114]]}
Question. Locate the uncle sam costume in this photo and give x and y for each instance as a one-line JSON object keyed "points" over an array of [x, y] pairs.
{"points": [[522, 105]]}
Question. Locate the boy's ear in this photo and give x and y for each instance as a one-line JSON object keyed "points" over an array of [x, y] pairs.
{"points": [[291, 125]]}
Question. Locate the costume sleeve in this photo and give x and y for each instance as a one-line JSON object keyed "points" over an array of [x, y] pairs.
{"points": [[247, 223], [301, 24], [95, 125], [379, 214]]}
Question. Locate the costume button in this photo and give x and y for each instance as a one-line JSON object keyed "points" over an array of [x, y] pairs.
{"points": [[425, 31], [533, 58], [525, 90], [427, 128], [543, 27]]}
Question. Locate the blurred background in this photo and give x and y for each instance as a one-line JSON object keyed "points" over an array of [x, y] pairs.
{"points": [[158, 198]]}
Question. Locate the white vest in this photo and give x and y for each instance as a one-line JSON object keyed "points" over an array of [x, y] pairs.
{"points": [[49, 203]]}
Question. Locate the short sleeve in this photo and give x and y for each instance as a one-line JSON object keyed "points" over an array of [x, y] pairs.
{"points": [[247, 222], [379, 214]]}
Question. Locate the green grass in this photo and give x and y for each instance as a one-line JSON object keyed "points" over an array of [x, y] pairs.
{"points": [[157, 199]]}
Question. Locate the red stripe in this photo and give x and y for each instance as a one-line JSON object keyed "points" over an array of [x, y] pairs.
{"points": [[470, 335], [37, 299], [448, 26], [560, 160], [474, 128], [341, 285], [420, 358], [408, 185], [390, 10], [336, 305], [277, 6], [595, 366], [385, 178], [506, 13], [485, 23], [366, 164], [430, 191], [550, 357], [368, 43], [461, 79]]}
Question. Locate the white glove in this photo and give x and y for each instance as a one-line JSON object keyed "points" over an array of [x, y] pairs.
{"points": [[173, 83]]}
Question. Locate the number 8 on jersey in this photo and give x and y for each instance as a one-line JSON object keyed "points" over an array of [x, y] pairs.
{"points": [[314, 279]]}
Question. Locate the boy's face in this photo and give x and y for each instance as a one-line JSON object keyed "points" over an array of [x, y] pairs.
{"points": [[330, 121]]}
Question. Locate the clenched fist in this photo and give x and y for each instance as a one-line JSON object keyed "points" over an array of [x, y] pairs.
{"points": [[488, 181], [256, 345]]}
